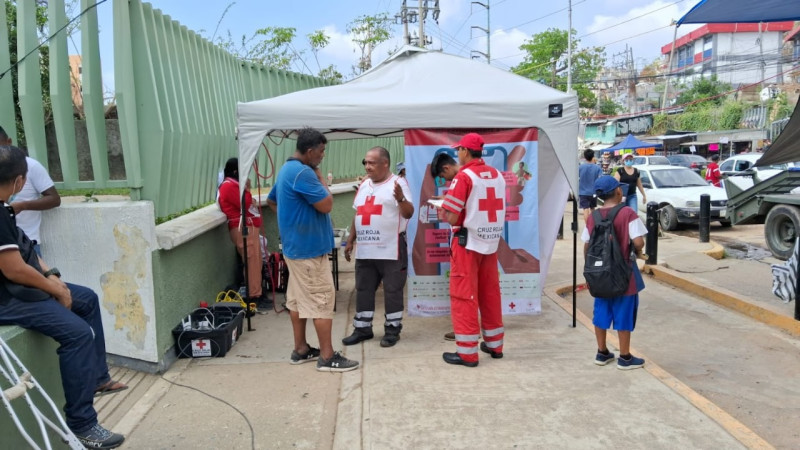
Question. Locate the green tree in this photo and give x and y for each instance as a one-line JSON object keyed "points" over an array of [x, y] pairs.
{"points": [[710, 90], [368, 32], [609, 107], [546, 61]]}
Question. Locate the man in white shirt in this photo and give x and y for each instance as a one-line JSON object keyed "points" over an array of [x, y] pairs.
{"points": [[38, 194], [383, 207]]}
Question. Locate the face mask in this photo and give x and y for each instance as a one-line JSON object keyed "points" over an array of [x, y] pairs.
{"points": [[628, 163], [13, 196]]}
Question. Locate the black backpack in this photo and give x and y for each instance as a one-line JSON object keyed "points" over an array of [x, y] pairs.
{"points": [[605, 269]]}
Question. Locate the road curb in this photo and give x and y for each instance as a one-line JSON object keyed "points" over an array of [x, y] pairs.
{"points": [[726, 298], [733, 426]]}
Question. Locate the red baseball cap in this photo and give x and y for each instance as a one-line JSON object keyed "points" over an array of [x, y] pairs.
{"points": [[471, 141]]}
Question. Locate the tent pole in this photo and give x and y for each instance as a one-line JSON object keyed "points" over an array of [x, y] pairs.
{"points": [[574, 255], [243, 225]]}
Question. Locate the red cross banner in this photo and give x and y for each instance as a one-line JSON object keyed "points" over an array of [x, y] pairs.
{"points": [[515, 154]]}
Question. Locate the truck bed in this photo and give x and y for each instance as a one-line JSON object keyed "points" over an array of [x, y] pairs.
{"points": [[752, 204]]}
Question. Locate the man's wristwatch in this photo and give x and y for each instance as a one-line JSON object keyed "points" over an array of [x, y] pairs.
{"points": [[52, 271]]}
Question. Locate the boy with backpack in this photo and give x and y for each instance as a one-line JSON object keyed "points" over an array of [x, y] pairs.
{"points": [[613, 238]]}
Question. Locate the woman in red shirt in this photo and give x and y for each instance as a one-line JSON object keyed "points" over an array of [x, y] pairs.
{"points": [[230, 204]]}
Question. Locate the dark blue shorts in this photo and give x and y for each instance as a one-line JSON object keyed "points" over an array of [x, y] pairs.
{"points": [[621, 311], [587, 201]]}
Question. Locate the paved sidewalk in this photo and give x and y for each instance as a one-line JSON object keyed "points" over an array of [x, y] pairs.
{"points": [[545, 393]]}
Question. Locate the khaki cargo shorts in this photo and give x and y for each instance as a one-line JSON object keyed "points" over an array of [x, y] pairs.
{"points": [[310, 291]]}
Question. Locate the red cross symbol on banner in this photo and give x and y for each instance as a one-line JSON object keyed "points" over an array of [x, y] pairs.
{"points": [[368, 209], [491, 204], [200, 344]]}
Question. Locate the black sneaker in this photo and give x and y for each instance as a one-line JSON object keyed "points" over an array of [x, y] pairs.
{"points": [[311, 355], [99, 437], [337, 363]]}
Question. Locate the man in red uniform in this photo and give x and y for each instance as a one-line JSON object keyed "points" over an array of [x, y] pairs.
{"points": [[713, 174], [475, 207]]}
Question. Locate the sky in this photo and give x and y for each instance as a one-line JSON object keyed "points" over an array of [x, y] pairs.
{"points": [[642, 25]]}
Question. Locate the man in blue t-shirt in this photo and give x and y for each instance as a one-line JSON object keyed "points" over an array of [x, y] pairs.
{"points": [[302, 201], [588, 172]]}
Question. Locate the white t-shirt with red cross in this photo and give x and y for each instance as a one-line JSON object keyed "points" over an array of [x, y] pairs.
{"points": [[378, 221]]}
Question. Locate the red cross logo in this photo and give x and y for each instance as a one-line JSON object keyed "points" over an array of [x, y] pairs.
{"points": [[368, 209], [200, 344], [491, 204], [512, 305]]}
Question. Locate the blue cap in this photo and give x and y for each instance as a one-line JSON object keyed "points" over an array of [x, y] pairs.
{"points": [[605, 185]]}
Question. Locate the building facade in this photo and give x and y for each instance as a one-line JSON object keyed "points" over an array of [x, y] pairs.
{"points": [[737, 53]]}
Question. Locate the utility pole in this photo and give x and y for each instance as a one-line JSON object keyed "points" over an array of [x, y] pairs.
{"points": [[487, 30], [569, 51], [669, 65], [417, 15], [405, 16]]}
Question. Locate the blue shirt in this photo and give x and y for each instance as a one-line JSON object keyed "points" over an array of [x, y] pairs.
{"points": [[305, 232], [587, 174]]}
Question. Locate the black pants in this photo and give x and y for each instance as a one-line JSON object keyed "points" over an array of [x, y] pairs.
{"points": [[369, 274]]}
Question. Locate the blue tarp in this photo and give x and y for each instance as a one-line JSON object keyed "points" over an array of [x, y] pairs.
{"points": [[732, 11], [631, 143]]}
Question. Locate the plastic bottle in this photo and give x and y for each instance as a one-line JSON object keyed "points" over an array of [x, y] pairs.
{"points": [[330, 178]]}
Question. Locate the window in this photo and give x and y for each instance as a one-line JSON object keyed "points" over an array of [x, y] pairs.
{"points": [[727, 166], [645, 177]]}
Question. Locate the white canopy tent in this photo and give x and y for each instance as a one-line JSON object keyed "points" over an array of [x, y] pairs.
{"points": [[417, 88]]}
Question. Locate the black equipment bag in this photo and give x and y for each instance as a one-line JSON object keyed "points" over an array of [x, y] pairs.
{"points": [[606, 272]]}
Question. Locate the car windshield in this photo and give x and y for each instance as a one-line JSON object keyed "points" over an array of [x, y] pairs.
{"points": [[696, 158], [676, 178], [659, 160]]}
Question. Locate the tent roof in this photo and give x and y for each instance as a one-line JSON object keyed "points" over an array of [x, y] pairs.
{"points": [[630, 143], [786, 147], [418, 88], [725, 11]]}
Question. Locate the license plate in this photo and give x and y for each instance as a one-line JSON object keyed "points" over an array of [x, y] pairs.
{"points": [[722, 213]]}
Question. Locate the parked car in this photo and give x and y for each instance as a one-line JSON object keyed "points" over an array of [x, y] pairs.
{"points": [[745, 161], [677, 192], [694, 162], [650, 160]]}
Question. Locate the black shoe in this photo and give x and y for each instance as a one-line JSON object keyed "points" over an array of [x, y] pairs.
{"points": [[359, 334], [453, 358], [99, 437], [485, 349], [392, 335], [389, 340]]}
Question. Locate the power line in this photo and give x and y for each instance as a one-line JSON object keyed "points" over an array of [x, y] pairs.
{"points": [[14, 66], [629, 20]]}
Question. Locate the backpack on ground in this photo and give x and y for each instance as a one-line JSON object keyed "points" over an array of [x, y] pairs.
{"points": [[276, 273], [606, 272]]}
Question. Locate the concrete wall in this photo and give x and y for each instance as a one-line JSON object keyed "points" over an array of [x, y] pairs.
{"points": [[116, 163], [107, 246]]}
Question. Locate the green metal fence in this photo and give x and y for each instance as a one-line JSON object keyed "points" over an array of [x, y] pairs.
{"points": [[176, 96]]}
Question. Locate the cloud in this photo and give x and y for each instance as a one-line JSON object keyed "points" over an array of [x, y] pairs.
{"points": [[343, 53], [505, 46], [645, 29]]}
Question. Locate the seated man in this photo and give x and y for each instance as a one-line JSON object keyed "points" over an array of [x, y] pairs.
{"points": [[33, 296]]}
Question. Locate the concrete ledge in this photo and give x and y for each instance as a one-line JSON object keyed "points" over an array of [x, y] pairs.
{"points": [[187, 227], [725, 298]]}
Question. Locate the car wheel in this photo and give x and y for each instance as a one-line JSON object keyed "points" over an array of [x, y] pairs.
{"points": [[781, 228], [725, 223], [668, 218]]}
